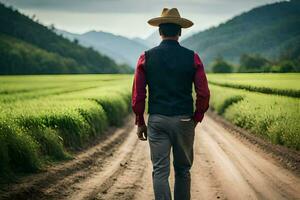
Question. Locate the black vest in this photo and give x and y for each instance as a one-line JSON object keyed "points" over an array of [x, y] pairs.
{"points": [[170, 73]]}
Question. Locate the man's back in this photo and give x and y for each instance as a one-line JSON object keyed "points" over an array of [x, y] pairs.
{"points": [[170, 73]]}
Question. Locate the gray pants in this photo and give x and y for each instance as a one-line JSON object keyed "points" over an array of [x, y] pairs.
{"points": [[165, 132]]}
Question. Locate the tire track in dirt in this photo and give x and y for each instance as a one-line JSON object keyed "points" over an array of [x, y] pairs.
{"points": [[111, 169], [130, 180], [204, 184]]}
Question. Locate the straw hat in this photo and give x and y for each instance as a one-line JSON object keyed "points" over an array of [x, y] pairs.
{"points": [[170, 16]]}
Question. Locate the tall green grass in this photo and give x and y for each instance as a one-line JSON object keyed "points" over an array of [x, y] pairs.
{"points": [[275, 118], [51, 121]]}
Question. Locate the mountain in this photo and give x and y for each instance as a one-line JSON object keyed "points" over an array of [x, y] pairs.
{"points": [[121, 49], [154, 38], [141, 41], [28, 47], [267, 30], [151, 41]]}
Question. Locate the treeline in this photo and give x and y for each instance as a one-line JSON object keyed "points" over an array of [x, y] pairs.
{"points": [[28, 47], [288, 61], [18, 57]]}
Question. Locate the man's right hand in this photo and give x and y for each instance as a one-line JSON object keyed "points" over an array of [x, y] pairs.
{"points": [[142, 132]]}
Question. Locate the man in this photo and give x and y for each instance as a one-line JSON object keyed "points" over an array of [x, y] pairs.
{"points": [[170, 70]]}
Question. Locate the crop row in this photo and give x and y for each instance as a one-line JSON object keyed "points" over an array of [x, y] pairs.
{"points": [[266, 90], [279, 84], [275, 118], [48, 127]]}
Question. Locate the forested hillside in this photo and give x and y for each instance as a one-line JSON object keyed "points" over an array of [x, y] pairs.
{"points": [[28, 47], [271, 31]]}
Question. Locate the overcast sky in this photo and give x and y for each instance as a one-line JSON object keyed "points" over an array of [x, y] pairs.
{"points": [[129, 17]]}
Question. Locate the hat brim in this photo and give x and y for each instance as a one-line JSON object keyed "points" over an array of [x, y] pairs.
{"points": [[184, 23]]}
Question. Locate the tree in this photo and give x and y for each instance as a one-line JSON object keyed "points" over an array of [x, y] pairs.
{"points": [[288, 66], [52, 27], [75, 41], [289, 59], [221, 66], [253, 63]]}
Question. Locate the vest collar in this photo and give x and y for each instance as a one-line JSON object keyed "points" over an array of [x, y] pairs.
{"points": [[169, 42]]}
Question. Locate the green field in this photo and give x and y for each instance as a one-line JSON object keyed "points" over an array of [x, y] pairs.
{"points": [[44, 118], [274, 115]]}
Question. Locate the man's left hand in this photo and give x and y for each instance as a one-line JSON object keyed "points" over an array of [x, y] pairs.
{"points": [[142, 132]]}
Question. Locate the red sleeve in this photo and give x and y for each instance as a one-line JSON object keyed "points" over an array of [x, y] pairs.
{"points": [[201, 89], [139, 91]]}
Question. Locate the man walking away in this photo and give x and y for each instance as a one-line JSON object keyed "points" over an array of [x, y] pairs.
{"points": [[170, 70]]}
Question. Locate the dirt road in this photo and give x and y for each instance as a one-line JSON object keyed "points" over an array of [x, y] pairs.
{"points": [[119, 168]]}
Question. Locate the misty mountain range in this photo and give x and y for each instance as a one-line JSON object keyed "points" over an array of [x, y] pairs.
{"points": [[268, 30], [122, 49]]}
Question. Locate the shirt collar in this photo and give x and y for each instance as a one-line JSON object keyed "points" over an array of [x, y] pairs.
{"points": [[169, 42]]}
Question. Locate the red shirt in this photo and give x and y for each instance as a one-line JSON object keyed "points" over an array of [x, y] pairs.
{"points": [[139, 90]]}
